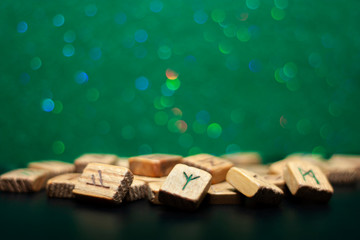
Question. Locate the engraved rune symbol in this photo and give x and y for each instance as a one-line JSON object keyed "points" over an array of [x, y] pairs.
{"points": [[100, 179], [188, 179], [310, 173]]}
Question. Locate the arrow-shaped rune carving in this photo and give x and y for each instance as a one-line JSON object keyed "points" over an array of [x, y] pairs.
{"points": [[188, 179]]}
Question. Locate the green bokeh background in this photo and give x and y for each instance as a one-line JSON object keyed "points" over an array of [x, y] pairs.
{"points": [[276, 76]]}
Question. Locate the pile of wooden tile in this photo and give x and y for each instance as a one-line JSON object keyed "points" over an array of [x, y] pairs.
{"points": [[185, 182]]}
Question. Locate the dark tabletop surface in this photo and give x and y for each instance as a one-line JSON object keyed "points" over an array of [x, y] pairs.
{"points": [[38, 217]]}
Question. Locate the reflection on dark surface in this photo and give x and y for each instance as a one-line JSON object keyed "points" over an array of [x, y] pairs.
{"points": [[25, 215]]}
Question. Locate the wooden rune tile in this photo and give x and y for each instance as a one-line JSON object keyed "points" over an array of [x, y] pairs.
{"points": [[185, 187], [54, 167], [138, 190], [84, 160], [153, 165], [243, 158], [307, 181], [342, 169], [62, 186], [254, 186], [223, 193], [104, 181], [217, 167], [24, 180], [153, 192]]}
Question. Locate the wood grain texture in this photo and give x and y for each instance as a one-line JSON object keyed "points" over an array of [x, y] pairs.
{"points": [[223, 193], [217, 167], [243, 158], [342, 169], [24, 180], [62, 186], [256, 168], [84, 160], [122, 162], [254, 186], [185, 187], [307, 181], [54, 167], [153, 165], [149, 179], [153, 192], [104, 181], [138, 190]]}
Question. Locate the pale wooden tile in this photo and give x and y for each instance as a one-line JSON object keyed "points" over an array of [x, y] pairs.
{"points": [[62, 186], [254, 186], [149, 179], [153, 165], [54, 167], [122, 162], [216, 166], [104, 181], [223, 193], [24, 180], [138, 190], [84, 160], [185, 187], [342, 169], [243, 158], [307, 181], [153, 192]]}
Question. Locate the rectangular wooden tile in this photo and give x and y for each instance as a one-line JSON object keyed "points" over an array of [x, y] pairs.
{"points": [[153, 165], [342, 169], [254, 186], [353, 159], [149, 179], [307, 181], [84, 160], [138, 190], [54, 167], [217, 167], [104, 181], [185, 187], [223, 193], [243, 158], [62, 186], [24, 180], [153, 192]]}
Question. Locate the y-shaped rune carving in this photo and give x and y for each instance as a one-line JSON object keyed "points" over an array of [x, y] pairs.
{"points": [[188, 179]]}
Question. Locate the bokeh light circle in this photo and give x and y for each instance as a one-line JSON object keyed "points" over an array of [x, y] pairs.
{"points": [[214, 130], [141, 83]]}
